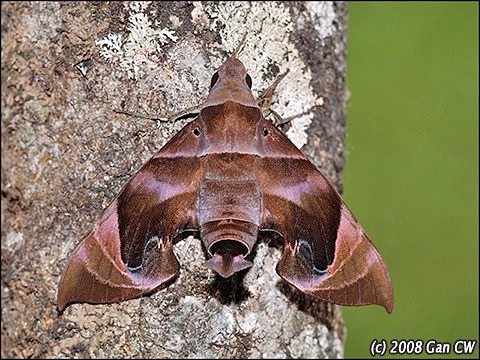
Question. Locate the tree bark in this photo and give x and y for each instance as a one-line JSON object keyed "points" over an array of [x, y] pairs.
{"points": [[66, 153]]}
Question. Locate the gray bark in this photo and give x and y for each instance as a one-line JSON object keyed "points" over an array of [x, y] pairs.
{"points": [[66, 153]]}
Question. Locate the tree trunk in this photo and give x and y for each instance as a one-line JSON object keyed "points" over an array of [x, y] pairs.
{"points": [[66, 66]]}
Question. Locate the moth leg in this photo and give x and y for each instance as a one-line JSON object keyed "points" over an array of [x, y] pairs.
{"points": [[186, 113], [265, 102], [266, 97]]}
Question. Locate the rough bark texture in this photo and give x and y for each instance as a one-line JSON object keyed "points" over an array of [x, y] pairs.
{"points": [[66, 153]]}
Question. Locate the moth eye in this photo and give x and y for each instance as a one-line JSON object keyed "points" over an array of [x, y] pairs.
{"points": [[196, 131], [214, 79], [265, 132], [248, 80]]}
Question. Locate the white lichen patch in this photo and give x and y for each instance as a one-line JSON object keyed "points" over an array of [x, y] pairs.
{"points": [[324, 13], [199, 16], [139, 51], [189, 253], [268, 26], [307, 337], [14, 239], [264, 263]]}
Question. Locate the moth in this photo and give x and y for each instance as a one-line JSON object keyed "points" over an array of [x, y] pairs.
{"points": [[228, 176]]}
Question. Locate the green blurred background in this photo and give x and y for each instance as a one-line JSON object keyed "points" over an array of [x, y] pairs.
{"points": [[412, 166]]}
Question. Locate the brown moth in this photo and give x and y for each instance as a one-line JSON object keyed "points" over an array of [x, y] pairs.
{"points": [[228, 175]]}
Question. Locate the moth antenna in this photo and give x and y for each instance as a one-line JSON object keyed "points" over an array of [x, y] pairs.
{"points": [[240, 45], [244, 37]]}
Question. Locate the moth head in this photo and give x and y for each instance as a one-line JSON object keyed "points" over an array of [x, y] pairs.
{"points": [[231, 83]]}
